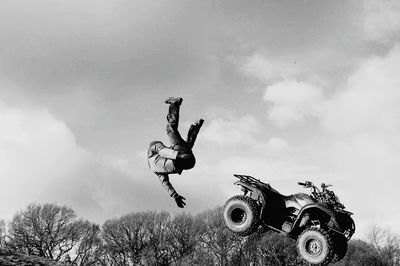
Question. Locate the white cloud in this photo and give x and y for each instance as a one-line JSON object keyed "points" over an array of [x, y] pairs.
{"points": [[37, 152], [290, 101], [259, 67], [382, 20], [369, 104], [231, 130], [267, 69], [40, 161], [277, 144], [354, 146], [361, 126]]}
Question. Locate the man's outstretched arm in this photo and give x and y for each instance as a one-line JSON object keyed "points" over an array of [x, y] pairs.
{"points": [[164, 179]]}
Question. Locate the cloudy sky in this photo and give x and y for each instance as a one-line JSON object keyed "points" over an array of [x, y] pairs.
{"points": [[289, 90]]}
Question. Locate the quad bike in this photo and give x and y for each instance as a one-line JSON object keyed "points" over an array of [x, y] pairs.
{"points": [[318, 221]]}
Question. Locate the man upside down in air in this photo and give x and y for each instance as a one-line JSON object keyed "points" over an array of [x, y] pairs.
{"points": [[179, 156]]}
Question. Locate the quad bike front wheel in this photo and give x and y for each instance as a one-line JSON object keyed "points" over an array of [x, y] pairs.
{"points": [[241, 215], [314, 245]]}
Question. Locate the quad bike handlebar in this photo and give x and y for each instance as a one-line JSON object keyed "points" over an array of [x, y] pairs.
{"points": [[325, 196], [316, 192], [308, 184]]}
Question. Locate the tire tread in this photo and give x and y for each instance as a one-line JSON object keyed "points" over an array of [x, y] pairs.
{"points": [[254, 209], [328, 237]]}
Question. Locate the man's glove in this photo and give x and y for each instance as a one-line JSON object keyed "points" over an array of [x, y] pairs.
{"points": [[179, 200]]}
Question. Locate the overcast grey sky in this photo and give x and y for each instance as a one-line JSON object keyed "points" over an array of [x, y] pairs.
{"points": [[290, 90]]}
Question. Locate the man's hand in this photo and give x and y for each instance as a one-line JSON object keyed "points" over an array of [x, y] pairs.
{"points": [[179, 200]]}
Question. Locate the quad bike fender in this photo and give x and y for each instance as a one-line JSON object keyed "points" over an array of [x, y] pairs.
{"points": [[309, 213], [346, 224], [333, 221], [254, 193]]}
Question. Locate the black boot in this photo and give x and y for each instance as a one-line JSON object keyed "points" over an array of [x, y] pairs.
{"points": [[174, 100]]}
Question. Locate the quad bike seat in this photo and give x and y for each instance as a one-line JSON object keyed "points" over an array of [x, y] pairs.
{"points": [[297, 200]]}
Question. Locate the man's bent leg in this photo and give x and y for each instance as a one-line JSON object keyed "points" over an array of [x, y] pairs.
{"points": [[173, 111], [185, 159], [173, 122], [193, 132]]}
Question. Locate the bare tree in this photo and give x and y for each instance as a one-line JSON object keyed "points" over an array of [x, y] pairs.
{"points": [[360, 253], [276, 249], [247, 252], [89, 249], [150, 238], [46, 230], [126, 238], [216, 238], [3, 234], [387, 244], [159, 251], [183, 237]]}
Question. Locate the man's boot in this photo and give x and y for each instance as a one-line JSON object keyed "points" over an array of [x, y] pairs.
{"points": [[174, 100]]}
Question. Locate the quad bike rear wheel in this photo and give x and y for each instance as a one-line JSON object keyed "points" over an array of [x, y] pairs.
{"points": [[241, 215], [314, 245]]}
